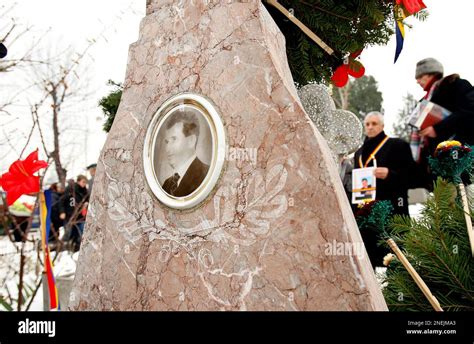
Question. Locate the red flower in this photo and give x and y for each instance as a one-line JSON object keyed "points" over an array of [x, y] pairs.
{"points": [[412, 6], [19, 179]]}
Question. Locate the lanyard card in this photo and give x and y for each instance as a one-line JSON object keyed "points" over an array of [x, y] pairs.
{"points": [[363, 185]]}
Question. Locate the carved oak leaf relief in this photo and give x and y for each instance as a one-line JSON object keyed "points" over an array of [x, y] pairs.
{"points": [[242, 211]]}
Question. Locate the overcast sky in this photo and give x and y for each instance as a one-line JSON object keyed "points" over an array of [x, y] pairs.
{"points": [[74, 23], [446, 35]]}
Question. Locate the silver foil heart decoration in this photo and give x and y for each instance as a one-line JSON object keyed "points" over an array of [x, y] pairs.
{"points": [[341, 128]]}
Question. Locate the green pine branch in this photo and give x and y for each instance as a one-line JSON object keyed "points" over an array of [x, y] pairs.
{"points": [[437, 246], [345, 26]]}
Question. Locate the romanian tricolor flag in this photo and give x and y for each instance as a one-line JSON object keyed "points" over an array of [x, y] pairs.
{"points": [[45, 212], [20, 180], [399, 31], [403, 9]]}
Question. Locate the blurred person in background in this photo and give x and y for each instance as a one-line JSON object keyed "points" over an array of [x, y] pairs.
{"points": [[72, 211]]}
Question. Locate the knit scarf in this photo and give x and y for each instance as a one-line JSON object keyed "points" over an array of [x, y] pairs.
{"points": [[430, 87]]}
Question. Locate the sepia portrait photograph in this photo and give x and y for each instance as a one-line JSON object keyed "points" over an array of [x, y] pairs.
{"points": [[183, 152]]}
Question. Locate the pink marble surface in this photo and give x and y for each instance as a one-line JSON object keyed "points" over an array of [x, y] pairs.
{"points": [[260, 242]]}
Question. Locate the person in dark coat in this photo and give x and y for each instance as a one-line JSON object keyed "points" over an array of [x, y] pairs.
{"points": [[454, 94], [72, 208], [56, 198], [396, 173], [345, 173], [396, 169], [91, 169]]}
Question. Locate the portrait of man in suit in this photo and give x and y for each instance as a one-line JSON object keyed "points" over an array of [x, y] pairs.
{"points": [[365, 185], [365, 193], [180, 140]]}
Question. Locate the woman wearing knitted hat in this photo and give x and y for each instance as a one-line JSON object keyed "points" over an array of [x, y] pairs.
{"points": [[452, 93]]}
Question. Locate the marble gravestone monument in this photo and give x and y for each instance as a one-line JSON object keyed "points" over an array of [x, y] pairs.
{"points": [[260, 224]]}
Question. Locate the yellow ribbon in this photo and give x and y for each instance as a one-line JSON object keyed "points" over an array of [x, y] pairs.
{"points": [[372, 155]]}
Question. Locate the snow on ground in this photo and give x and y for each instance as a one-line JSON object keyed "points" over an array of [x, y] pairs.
{"points": [[10, 266], [415, 210], [64, 268]]}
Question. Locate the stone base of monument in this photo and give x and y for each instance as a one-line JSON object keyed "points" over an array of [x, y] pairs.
{"points": [[64, 286], [64, 271], [266, 236]]}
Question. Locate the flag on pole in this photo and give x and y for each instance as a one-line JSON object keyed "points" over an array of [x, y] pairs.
{"points": [[19, 180], [404, 9], [399, 32], [45, 215]]}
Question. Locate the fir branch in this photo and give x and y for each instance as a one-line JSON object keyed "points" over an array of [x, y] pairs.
{"points": [[313, 6]]}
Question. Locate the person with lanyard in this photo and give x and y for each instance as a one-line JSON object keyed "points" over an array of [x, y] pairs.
{"points": [[395, 171]]}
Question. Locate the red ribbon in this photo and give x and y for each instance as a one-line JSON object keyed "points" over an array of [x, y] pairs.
{"points": [[353, 68]]}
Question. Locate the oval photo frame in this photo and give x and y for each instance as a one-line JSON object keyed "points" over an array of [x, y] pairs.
{"points": [[184, 151]]}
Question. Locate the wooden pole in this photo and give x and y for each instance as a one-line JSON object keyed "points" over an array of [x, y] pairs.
{"points": [[303, 27], [416, 277], [467, 216]]}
